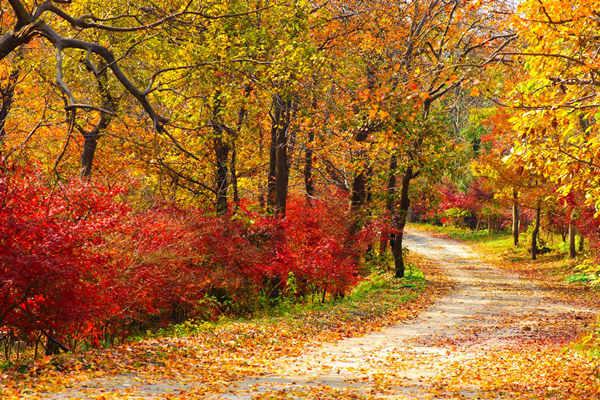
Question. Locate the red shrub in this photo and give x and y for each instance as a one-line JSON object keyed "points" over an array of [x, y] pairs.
{"points": [[75, 262], [51, 267]]}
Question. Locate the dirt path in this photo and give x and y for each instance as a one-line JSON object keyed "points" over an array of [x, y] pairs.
{"points": [[488, 311]]}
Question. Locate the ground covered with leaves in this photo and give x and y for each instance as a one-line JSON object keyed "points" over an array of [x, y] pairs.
{"points": [[479, 327], [198, 358]]}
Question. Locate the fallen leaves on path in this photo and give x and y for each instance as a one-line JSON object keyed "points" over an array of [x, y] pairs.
{"points": [[208, 357], [497, 335]]}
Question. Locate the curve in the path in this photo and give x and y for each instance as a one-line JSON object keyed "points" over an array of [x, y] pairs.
{"points": [[471, 318], [488, 308]]}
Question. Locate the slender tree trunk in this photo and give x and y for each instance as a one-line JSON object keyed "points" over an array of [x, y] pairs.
{"points": [[308, 166], [390, 198], [7, 94], [272, 169], [581, 243], [233, 174], [572, 236], [358, 198], [279, 164], [262, 191], [221, 149], [242, 113], [308, 158], [536, 230], [222, 154], [399, 222], [516, 218]]}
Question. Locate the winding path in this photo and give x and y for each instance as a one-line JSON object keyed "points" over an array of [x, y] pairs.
{"points": [[488, 309]]}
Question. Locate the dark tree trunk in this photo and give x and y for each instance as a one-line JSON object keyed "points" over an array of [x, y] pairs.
{"points": [[389, 199], [572, 237], [358, 198], [262, 195], [52, 347], [581, 243], [359, 192], [221, 149], [308, 158], [272, 170], [308, 166], [222, 154], [233, 174], [516, 218], [536, 230], [90, 142], [7, 93], [399, 222], [233, 163], [283, 173], [90, 137], [279, 164]]}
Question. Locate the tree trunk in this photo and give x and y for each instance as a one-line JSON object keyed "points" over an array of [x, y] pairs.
{"points": [[279, 164], [7, 94], [233, 174], [581, 243], [221, 149], [516, 220], [359, 192], [358, 198], [233, 163], [262, 191], [536, 230], [90, 142], [222, 155], [390, 198], [399, 222], [272, 169], [308, 166], [572, 236], [90, 137]]}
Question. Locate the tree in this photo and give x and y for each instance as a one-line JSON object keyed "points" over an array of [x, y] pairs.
{"points": [[557, 103]]}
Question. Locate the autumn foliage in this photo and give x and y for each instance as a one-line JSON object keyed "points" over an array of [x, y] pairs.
{"points": [[77, 263]]}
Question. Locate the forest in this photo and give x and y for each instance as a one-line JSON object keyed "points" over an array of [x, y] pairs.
{"points": [[175, 174]]}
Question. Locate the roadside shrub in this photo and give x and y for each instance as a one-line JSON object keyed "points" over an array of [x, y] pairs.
{"points": [[54, 275], [78, 264]]}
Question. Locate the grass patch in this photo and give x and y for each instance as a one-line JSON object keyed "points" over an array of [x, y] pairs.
{"points": [[374, 296], [465, 234]]}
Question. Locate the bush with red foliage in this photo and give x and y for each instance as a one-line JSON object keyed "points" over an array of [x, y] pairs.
{"points": [[52, 264], [77, 263]]}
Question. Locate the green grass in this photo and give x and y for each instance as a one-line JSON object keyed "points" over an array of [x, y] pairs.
{"points": [[496, 242], [376, 295], [465, 234]]}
